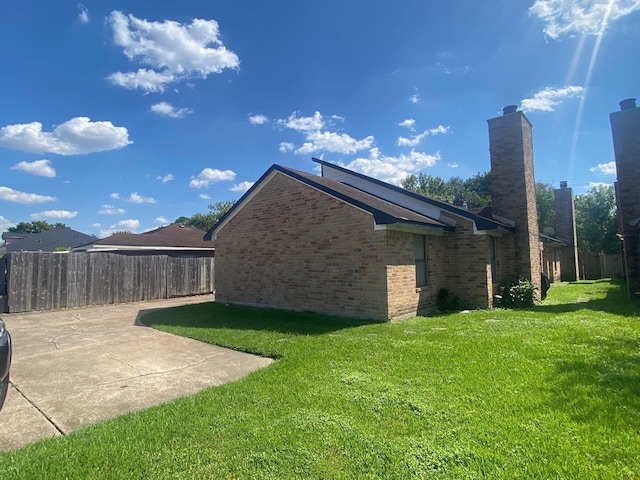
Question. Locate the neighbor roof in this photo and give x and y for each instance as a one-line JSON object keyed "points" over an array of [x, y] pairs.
{"points": [[49, 240], [383, 211], [175, 236]]}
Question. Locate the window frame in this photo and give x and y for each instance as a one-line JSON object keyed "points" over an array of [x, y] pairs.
{"points": [[420, 260]]}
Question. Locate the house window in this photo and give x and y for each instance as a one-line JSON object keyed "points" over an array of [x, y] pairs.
{"points": [[419, 253], [494, 260]]}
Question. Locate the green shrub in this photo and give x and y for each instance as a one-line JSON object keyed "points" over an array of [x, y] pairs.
{"points": [[447, 302], [520, 293]]}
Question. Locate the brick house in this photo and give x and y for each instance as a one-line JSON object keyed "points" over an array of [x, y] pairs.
{"points": [[346, 244]]}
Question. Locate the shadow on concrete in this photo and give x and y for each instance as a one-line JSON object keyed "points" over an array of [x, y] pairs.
{"points": [[237, 317]]}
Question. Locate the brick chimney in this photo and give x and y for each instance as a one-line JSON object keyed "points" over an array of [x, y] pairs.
{"points": [[565, 223], [513, 191], [625, 127]]}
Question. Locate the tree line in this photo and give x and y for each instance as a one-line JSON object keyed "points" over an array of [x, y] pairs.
{"points": [[596, 221]]}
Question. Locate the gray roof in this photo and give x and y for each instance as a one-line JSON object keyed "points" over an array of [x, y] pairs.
{"points": [[50, 240]]}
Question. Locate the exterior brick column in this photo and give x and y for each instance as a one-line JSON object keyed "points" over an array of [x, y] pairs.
{"points": [[513, 190], [565, 223], [625, 127]]}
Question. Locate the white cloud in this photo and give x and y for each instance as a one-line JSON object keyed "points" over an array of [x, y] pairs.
{"points": [[452, 165], [393, 169], [303, 124], [242, 187], [165, 178], [40, 168], [598, 185], [547, 98], [204, 196], [83, 16], [258, 119], [586, 17], [605, 168], [11, 195], [174, 51], [135, 198], [167, 110], [334, 142], [110, 210], [75, 137], [5, 224], [162, 221], [129, 225], [211, 175], [416, 139], [55, 214], [408, 123], [286, 147], [415, 98], [115, 196]]}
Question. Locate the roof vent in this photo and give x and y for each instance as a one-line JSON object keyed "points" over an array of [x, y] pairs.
{"points": [[628, 104], [509, 109], [563, 184]]}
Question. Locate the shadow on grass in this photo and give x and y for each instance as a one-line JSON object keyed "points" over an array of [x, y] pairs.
{"points": [[616, 302], [237, 317], [605, 384]]}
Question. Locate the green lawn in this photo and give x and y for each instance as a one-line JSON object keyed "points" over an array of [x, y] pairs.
{"points": [[551, 392]]}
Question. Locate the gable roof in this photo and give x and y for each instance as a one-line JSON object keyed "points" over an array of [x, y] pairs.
{"points": [[386, 214], [484, 220], [49, 240], [171, 237]]}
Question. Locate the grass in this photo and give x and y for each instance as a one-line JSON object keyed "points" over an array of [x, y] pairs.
{"points": [[548, 392]]}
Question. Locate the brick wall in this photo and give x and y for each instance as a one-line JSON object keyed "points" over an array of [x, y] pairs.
{"points": [[565, 223], [468, 272], [625, 126], [292, 246], [513, 191], [404, 299]]}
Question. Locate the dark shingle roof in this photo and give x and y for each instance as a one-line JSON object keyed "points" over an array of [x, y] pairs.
{"points": [[383, 211], [482, 222], [50, 240], [175, 235]]}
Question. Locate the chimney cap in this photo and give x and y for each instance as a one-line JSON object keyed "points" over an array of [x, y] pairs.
{"points": [[563, 184], [627, 104], [509, 109]]}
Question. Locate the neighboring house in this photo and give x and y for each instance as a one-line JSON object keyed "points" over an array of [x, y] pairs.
{"points": [[346, 244], [175, 240], [47, 241]]}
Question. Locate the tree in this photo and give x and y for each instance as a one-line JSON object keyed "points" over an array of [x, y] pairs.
{"points": [[474, 191], [596, 221], [205, 221], [430, 186], [37, 226], [477, 190], [545, 202]]}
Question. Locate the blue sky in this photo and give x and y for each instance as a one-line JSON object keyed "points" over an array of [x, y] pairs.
{"points": [[127, 115]]}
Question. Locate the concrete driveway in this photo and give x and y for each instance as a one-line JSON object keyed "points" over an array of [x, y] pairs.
{"points": [[76, 367]]}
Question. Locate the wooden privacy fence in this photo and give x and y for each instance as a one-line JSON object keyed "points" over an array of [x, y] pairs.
{"points": [[594, 266], [48, 281]]}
